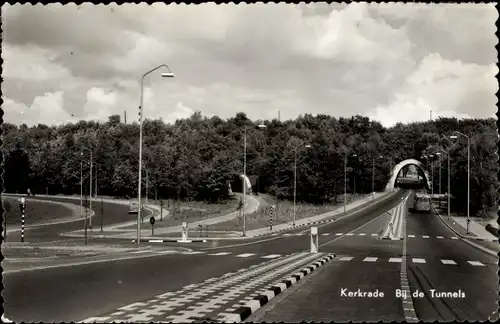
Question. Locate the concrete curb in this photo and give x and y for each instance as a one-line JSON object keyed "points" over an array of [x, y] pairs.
{"points": [[170, 241], [253, 305], [467, 238]]}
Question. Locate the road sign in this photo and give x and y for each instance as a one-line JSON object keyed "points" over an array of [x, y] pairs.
{"points": [[152, 220], [468, 220]]}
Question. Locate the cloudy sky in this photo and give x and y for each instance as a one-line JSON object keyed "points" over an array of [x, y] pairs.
{"points": [[390, 62]]}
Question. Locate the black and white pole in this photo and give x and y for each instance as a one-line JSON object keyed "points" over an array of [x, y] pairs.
{"points": [[22, 206]]}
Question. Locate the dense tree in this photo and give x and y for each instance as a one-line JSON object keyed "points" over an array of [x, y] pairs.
{"points": [[197, 157]]}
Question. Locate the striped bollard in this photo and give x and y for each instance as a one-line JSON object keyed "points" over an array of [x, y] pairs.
{"points": [[22, 206]]}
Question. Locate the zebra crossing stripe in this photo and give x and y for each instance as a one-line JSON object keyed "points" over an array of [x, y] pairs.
{"points": [[395, 260], [271, 256], [362, 234], [418, 260], [411, 235], [345, 258], [476, 263], [245, 255], [338, 234], [370, 259], [448, 262], [425, 236]]}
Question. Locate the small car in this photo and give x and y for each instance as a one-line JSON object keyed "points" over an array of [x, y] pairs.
{"points": [[422, 204], [133, 207]]}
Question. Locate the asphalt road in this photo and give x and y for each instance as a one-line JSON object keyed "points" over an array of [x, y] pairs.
{"points": [[480, 283], [111, 214], [320, 297], [75, 293], [89, 290]]}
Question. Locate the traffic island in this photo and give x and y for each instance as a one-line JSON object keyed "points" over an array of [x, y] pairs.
{"points": [[243, 312]]}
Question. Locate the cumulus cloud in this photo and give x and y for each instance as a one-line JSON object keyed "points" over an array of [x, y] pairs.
{"points": [[386, 61]]}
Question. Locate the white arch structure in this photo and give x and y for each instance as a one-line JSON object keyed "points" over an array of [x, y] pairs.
{"points": [[400, 166]]}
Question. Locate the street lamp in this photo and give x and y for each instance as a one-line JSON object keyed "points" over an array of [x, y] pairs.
{"points": [[448, 189], [373, 175], [90, 183], [345, 180], [168, 74], [468, 173], [245, 176], [432, 173], [295, 177]]}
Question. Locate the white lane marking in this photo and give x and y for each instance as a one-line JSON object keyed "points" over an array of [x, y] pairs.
{"points": [[370, 259], [425, 236], [411, 235], [476, 263], [418, 260], [350, 234], [193, 252], [374, 234], [220, 253], [345, 258], [245, 255], [362, 234], [271, 256], [395, 260], [338, 234], [454, 238], [324, 234], [448, 262], [440, 237]]}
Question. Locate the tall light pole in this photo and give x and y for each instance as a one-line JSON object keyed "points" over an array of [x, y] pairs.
{"points": [[449, 170], [295, 178], [468, 173], [90, 184], [81, 187], [147, 186], [345, 180], [243, 215], [169, 74], [432, 173]]}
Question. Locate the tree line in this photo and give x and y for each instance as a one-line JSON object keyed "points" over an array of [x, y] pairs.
{"points": [[197, 157]]}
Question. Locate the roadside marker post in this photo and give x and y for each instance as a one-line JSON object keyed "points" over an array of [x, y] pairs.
{"points": [[7, 208], [152, 221], [271, 213], [314, 240], [22, 206]]}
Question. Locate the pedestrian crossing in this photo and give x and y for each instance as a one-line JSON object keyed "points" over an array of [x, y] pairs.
{"points": [[236, 255], [410, 236], [409, 260]]}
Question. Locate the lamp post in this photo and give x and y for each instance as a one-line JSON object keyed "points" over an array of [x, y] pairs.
{"points": [[169, 74], [432, 173], [90, 184], [245, 175], [468, 173], [81, 187], [295, 178], [449, 170], [345, 181]]}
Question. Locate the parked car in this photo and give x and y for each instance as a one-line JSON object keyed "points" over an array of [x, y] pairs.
{"points": [[133, 207], [422, 203]]}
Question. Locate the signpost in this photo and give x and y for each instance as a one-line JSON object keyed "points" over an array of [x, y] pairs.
{"points": [[22, 206], [161, 210], [152, 221], [102, 212], [7, 208]]}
